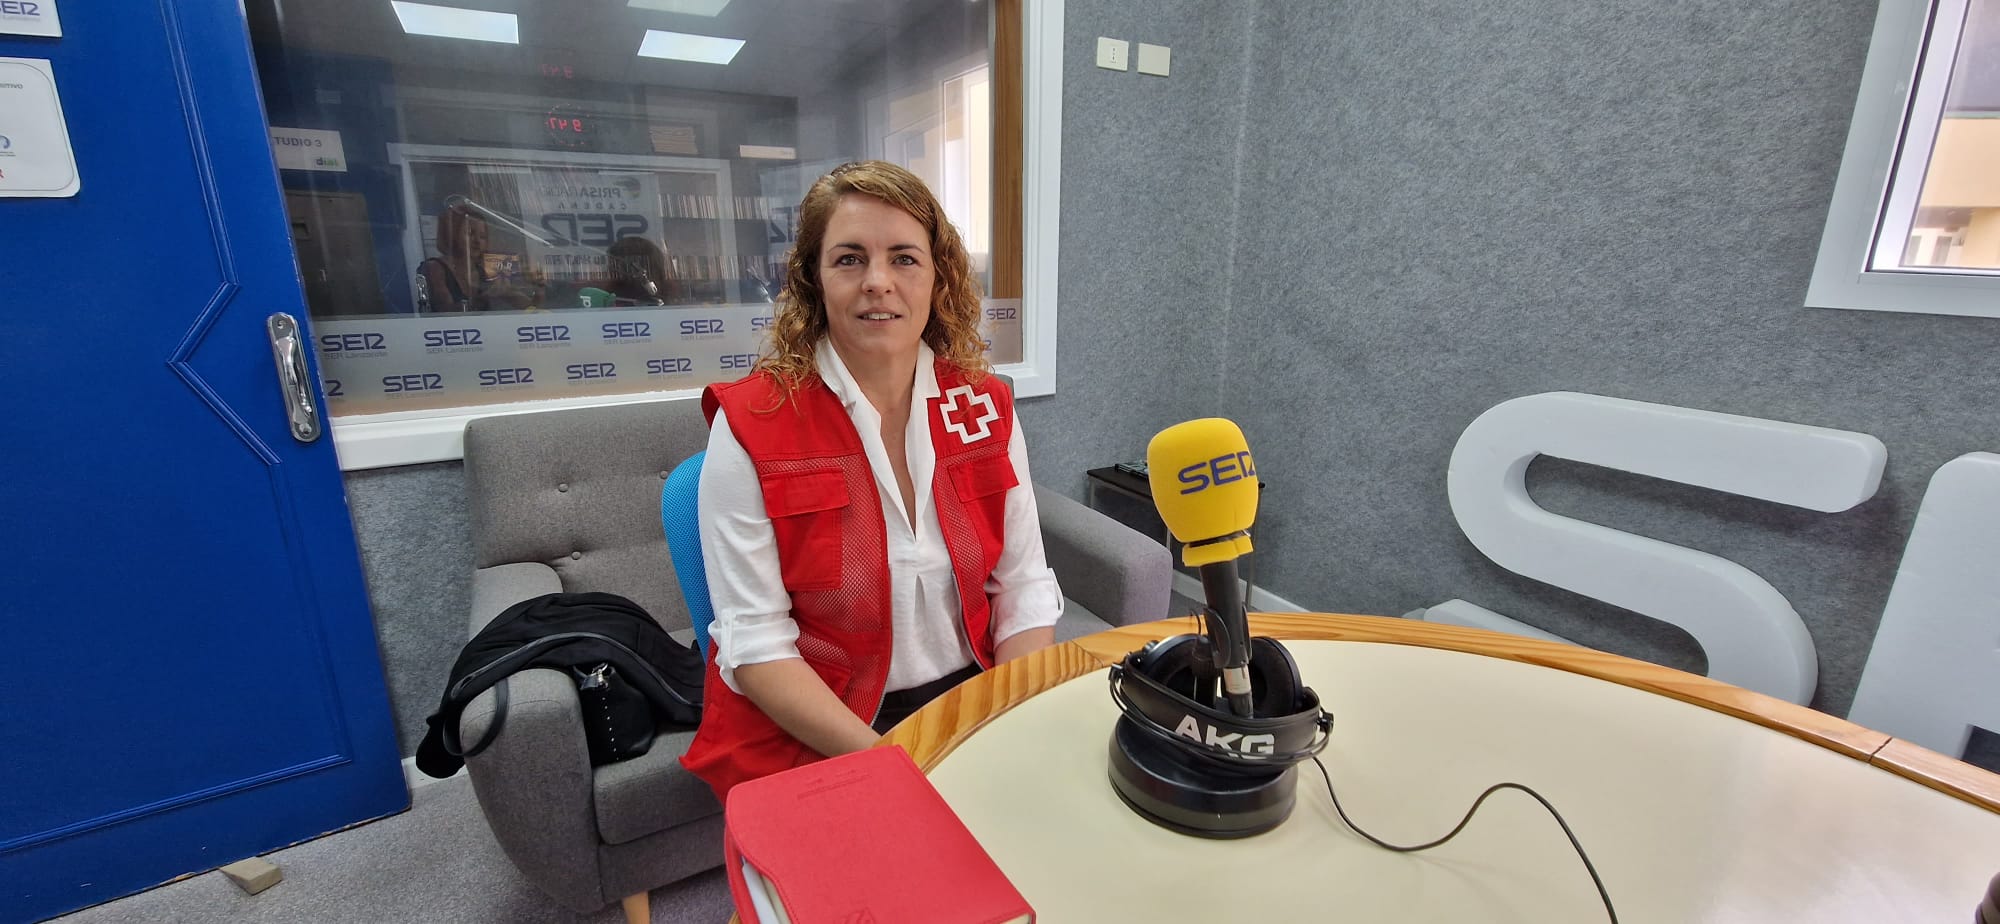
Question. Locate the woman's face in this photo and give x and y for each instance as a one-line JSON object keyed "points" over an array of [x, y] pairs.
{"points": [[876, 275]]}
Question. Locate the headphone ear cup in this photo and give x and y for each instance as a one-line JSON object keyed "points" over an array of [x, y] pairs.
{"points": [[1274, 679], [1176, 662]]}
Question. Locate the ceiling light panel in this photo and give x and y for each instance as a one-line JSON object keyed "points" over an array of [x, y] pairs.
{"points": [[452, 22], [681, 46], [683, 7]]}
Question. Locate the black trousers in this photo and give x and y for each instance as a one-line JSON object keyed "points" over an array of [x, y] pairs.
{"points": [[898, 704]]}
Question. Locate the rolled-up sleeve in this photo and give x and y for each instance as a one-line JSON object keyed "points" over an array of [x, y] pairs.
{"points": [[1023, 588], [753, 613]]}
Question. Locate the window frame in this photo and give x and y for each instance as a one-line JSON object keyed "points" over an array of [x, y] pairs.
{"points": [[1890, 99], [1034, 35]]}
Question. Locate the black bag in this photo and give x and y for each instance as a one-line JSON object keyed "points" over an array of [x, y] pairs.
{"points": [[617, 720], [632, 678]]}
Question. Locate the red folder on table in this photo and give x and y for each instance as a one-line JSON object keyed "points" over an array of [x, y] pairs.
{"points": [[859, 838]]}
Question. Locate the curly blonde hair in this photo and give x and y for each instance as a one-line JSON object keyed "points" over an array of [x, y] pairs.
{"points": [[800, 317]]}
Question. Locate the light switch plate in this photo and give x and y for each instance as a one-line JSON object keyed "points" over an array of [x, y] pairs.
{"points": [[1153, 59], [1111, 53]]}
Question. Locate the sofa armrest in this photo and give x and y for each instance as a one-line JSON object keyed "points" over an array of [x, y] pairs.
{"points": [[501, 586], [534, 779], [534, 785], [1117, 573]]}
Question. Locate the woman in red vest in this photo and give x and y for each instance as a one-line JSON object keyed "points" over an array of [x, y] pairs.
{"points": [[868, 523]]}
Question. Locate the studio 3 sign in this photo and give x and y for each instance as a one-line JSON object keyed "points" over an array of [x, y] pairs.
{"points": [[1933, 673]]}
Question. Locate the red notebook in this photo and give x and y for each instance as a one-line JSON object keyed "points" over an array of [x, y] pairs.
{"points": [[859, 839]]}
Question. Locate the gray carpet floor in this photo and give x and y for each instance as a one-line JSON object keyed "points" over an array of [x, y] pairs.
{"points": [[434, 864]]}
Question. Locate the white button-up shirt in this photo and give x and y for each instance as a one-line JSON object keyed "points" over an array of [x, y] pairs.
{"points": [[753, 621]]}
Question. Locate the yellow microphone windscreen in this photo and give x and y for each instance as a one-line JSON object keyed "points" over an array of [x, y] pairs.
{"points": [[1205, 487]]}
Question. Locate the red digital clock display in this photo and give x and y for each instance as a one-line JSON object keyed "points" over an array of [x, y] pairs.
{"points": [[569, 126]]}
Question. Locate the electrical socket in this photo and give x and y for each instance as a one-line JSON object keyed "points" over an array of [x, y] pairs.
{"points": [[1112, 53]]}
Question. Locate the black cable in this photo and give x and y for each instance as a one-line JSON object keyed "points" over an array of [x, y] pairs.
{"points": [[1476, 803]]}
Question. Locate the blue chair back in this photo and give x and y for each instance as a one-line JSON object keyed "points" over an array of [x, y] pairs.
{"points": [[680, 518]]}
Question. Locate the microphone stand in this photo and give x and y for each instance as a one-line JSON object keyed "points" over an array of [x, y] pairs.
{"points": [[501, 219], [1229, 632]]}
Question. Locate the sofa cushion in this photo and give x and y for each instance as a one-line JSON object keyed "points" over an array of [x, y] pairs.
{"points": [[650, 793]]}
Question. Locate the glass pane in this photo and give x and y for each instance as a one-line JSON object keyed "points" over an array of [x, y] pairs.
{"points": [[1956, 222], [552, 199]]}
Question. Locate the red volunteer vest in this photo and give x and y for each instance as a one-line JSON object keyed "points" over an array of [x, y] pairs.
{"points": [[833, 547]]}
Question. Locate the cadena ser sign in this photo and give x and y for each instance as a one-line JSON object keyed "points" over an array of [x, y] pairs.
{"points": [[1934, 671]]}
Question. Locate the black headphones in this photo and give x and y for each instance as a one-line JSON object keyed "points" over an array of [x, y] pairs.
{"points": [[1160, 688], [1183, 761]]}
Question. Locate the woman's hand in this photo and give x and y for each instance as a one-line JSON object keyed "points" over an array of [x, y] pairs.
{"points": [[1023, 642]]}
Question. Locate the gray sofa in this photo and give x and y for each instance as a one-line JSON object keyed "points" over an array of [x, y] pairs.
{"points": [[569, 501]]}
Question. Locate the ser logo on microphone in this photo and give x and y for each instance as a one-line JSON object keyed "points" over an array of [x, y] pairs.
{"points": [[1221, 470], [1189, 727]]}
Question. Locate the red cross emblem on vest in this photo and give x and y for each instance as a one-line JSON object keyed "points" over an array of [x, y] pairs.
{"points": [[967, 414]]}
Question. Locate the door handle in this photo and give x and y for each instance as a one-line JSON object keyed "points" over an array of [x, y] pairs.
{"points": [[293, 379]]}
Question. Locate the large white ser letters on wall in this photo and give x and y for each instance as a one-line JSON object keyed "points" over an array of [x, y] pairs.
{"points": [[1750, 633], [1934, 671]]}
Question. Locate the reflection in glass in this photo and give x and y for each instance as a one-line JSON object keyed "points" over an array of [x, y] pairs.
{"points": [[1957, 220], [567, 214]]}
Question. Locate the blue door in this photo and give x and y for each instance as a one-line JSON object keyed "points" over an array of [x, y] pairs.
{"points": [[188, 667]]}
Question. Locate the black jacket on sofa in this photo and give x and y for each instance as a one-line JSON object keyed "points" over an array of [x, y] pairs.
{"points": [[562, 631]]}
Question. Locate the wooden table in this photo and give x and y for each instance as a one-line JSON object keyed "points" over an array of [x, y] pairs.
{"points": [[1698, 801]]}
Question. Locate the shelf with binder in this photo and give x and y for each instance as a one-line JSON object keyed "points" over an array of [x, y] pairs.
{"points": [[679, 206]]}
